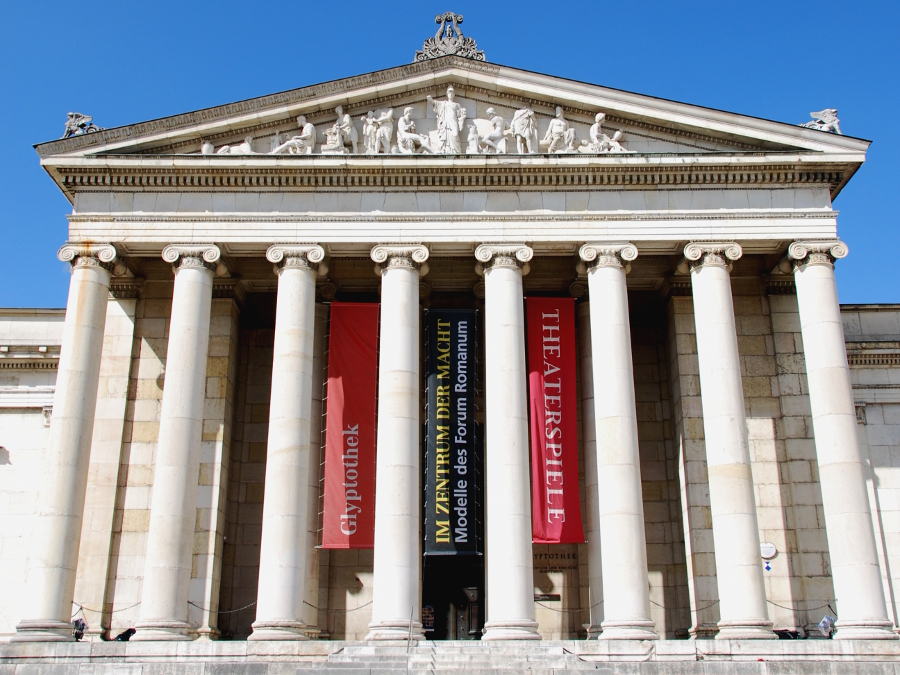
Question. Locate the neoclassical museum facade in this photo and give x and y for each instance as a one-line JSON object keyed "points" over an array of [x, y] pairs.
{"points": [[451, 351]]}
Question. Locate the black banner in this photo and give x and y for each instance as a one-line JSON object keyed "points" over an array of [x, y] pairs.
{"points": [[451, 458]]}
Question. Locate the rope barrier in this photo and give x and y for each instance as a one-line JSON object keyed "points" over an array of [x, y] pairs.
{"points": [[221, 611], [568, 611], [82, 609], [337, 611]]}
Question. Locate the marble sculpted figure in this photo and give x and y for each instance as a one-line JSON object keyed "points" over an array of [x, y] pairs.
{"points": [[408, 141], [385, 122], [472, 147], [370, 132], [341, 134], [524, 128], [559, 137], [451, 117], [601, 142], [495, 141], [244, 148], [298, 145], [825, 120]]}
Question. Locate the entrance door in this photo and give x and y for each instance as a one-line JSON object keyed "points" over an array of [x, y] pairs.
{"points": [[453, 597]]}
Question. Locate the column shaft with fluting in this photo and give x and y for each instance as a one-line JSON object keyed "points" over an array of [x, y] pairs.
{"points": [[56, 531], [396, 604], [626, 593], [861, 609], [509, 577], [284, 546], [742, 593], [589, 444], [173, 508]]}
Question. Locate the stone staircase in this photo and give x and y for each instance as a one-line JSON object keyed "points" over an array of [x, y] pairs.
{"points": [[453, 657]]}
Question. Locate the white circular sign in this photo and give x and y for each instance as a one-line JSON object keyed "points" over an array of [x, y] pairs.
{"points": [[767, 550]]}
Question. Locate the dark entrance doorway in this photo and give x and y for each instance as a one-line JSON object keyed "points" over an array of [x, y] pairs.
{"points": [[453, 597]]}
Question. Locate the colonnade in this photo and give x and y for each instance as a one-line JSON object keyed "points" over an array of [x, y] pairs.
{"points": [[397, 556]]}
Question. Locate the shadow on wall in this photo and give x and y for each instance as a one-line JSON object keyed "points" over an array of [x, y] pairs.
{"points": [[4, 456]]}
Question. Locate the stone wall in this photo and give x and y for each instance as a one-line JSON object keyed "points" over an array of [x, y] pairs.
{"points": [[872, 333], [23, 438]]}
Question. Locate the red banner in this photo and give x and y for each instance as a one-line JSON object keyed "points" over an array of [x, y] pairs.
{"points": [[349, 517], [555, 505]]}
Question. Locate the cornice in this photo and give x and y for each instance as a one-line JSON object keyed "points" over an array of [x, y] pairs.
{"points": [[575, 173]]}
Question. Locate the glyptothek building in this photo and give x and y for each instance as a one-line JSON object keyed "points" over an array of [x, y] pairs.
{"points": [[451, 365]]}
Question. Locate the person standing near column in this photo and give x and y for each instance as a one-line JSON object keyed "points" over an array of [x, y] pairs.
{"points": [[173, 509], [509, 576], [56, 533], [284, 546], [862, 612], [398, 556], [626, 591], [742, 592]]}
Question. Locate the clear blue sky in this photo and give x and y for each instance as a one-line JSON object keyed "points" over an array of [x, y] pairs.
{"points": [[129, 61]]}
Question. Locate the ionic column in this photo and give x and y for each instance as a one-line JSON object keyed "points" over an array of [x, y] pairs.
{"points": [[284, 546], [398, 556], [56, 531], [509, 577], [742, 594], [862, 613], [589, 443], [173, 509], [626, 591]]}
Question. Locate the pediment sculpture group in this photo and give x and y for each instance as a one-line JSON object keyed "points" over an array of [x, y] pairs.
{"points": [[455, 137]]}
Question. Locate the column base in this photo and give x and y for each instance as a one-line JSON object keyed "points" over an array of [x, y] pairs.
{"points": [[511, 630], [593, 630], [748, 629], [208, 633], [278, 630], [703, 631], [865, 629], [43, 630], [395, 630], [629, 630], [163, 631]]}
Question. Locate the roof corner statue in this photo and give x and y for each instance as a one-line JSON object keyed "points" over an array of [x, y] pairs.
{"points": [[825, 120], [77, 124], [449, 40]]}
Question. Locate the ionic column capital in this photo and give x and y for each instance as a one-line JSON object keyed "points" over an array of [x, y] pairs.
{"points": [[505, 255], [192, 255], [608, 254], [89, 255], [819, 252], [304, 256], [717, 253], [409, 256]]}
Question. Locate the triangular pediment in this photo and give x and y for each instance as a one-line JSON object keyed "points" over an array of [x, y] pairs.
{"points": [[648, 125]]}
